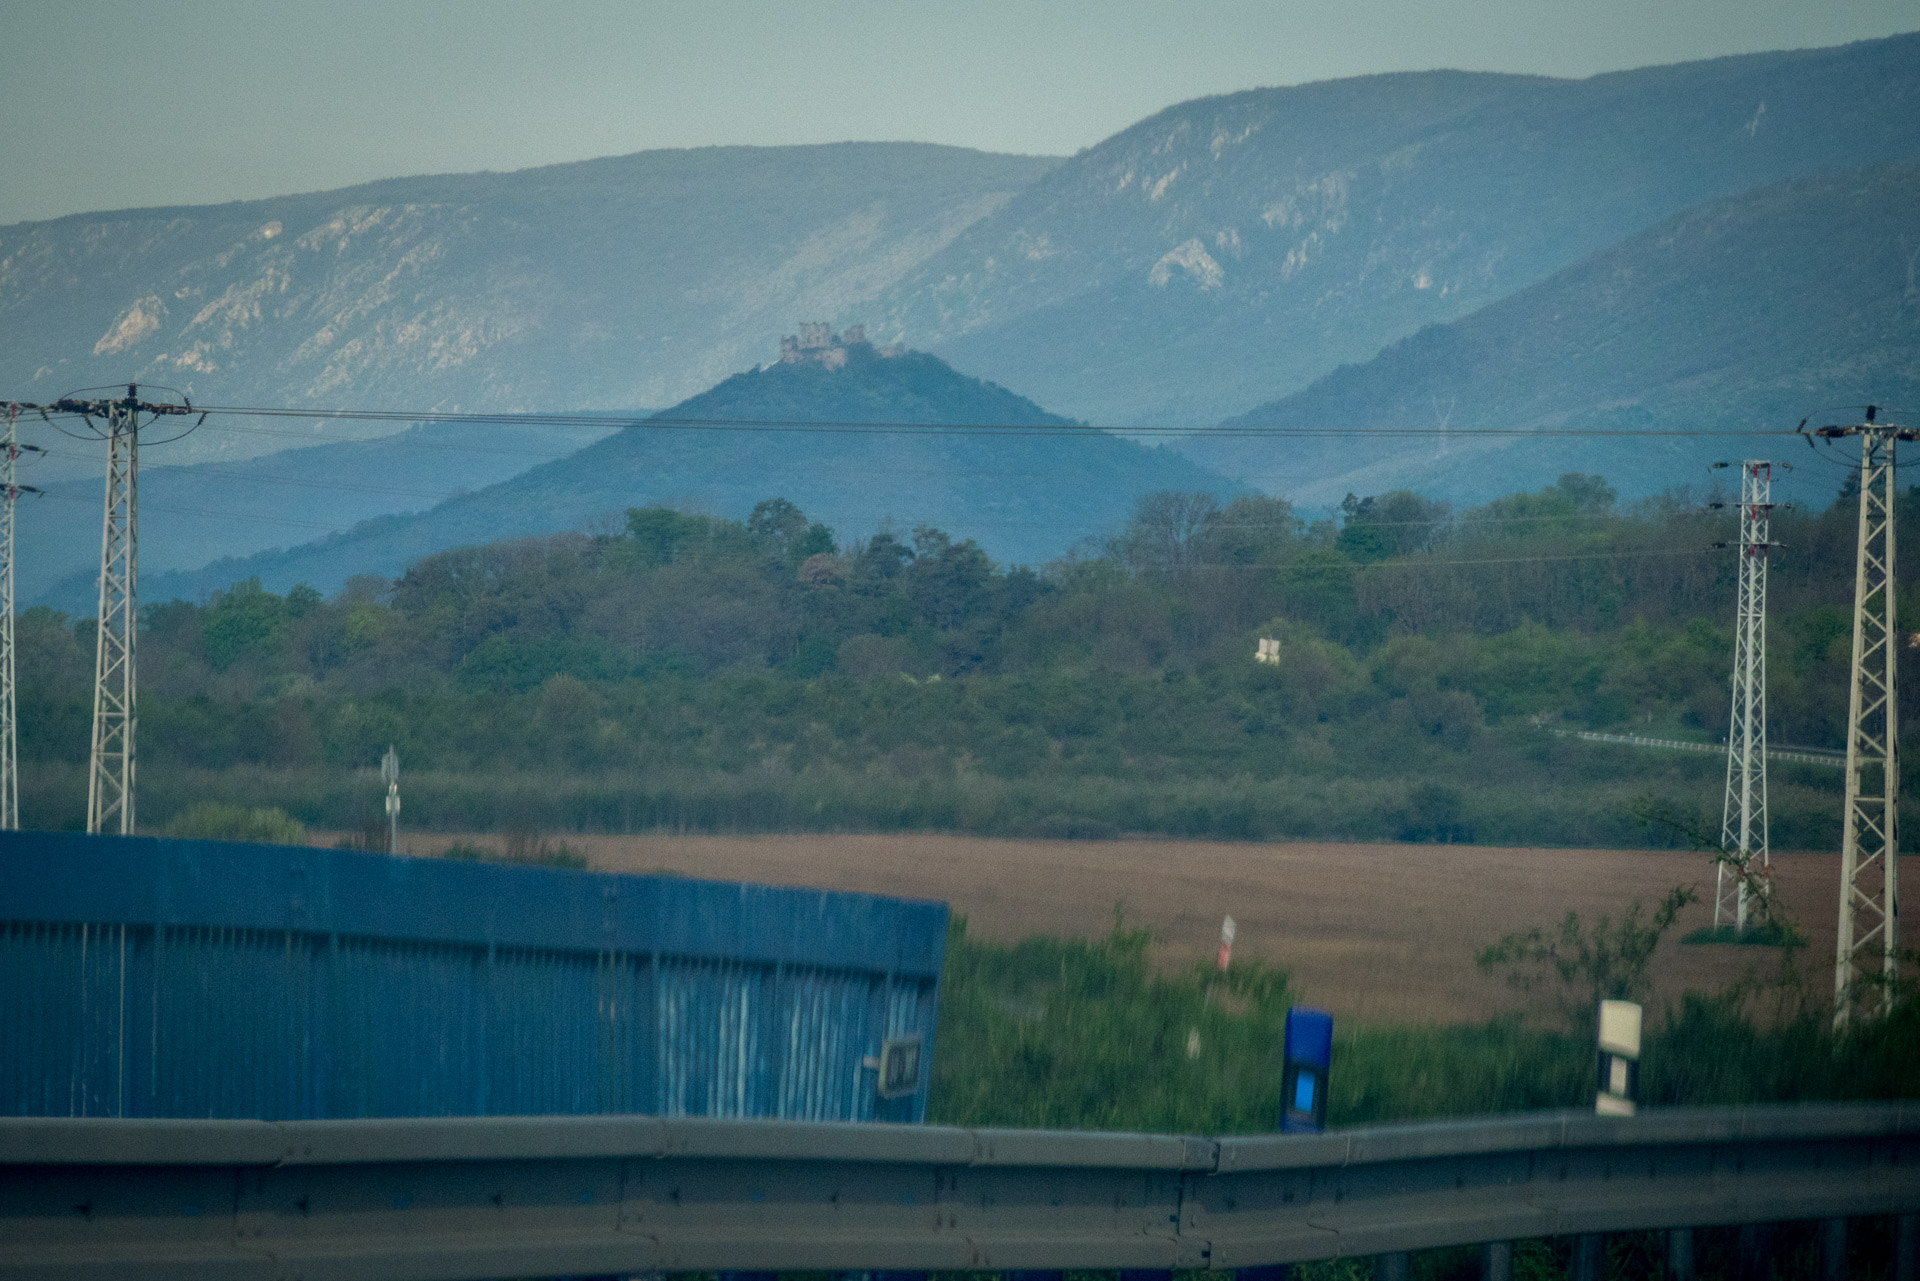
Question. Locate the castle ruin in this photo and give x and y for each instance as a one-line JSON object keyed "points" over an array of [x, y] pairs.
{"points": [[817, 342]]}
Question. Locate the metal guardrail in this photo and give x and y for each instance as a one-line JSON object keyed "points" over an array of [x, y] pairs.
{"points": [[1806, 755], [527, 1196]]}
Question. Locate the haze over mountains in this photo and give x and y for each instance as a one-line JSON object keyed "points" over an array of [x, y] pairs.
{"points": [[608, 284], [1754, 311], [1231, 250], [1707, 244], [235, 507]]}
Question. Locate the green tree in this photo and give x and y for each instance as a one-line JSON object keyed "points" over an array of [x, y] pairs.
{"points": [[241, 622]]}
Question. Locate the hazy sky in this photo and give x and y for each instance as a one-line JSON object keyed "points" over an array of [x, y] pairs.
{"points": [[116, 103]]}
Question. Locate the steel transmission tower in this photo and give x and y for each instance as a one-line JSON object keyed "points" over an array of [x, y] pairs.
{"points": [[1744, 868], [1868, 954], [110, 767], [10, 451]]}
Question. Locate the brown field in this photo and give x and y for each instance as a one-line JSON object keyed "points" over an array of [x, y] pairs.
{"points": [[1379, 933]]}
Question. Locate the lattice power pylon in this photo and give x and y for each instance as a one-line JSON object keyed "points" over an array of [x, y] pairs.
{"points": [[1868, 954], [1744, 870], [10, 489], [110, 769]]}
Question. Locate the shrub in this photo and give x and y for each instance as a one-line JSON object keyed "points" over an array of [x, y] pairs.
{"points": [[1084, 1034], [1603, 962], [214, 821]]}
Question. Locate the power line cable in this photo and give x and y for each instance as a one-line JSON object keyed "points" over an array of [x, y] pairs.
{"points": [[899, 427]]}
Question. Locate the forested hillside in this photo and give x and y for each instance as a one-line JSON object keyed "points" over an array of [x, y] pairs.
{"points": [[696, 672], [1027, 495]]}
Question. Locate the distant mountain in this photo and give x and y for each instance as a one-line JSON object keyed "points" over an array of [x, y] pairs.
{"points": [[613, 283], [1024, 496], [1231, 250], [1794, 300], [206, 511]]}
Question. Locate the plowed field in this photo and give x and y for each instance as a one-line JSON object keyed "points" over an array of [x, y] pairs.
{"points": [[1372, 932]]}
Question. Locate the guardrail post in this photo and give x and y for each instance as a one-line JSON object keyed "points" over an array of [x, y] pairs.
{"points": [[1906, 1248], [1680, 1254], [1755, 1241], [1833, 1250], [1589, 1256], [1390, 1267], [1496, 1261]]}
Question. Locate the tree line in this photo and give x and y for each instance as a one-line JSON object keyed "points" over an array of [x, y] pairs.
{"points": [[695, 654]]}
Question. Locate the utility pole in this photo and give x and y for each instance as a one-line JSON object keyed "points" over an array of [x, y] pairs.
{"points": [[1744, 869], [10, 451], [390, 771], [1867, 960], [110, 766]]}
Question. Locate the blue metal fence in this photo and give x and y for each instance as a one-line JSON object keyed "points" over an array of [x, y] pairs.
{"points": [[154, 978]]}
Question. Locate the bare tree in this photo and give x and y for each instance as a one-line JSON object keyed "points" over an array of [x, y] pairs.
{"points": [[1167, 531]]}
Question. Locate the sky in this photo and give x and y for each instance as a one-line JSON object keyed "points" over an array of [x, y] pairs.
{"points": [[113, 104]]}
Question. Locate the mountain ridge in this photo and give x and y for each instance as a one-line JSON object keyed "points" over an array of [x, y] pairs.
{"points": [[1757, 310], [1229, 250], [609, 283]]}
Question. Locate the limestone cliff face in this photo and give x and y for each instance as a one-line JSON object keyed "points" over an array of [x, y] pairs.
{"points": [[1230, 250], [619, 283]]}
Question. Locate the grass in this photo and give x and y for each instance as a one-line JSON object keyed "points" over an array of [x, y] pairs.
{"points": [[1069, 1033], [1766, 934], [213, 821], [521, 847], [1085, 1034], [1498, 805]]}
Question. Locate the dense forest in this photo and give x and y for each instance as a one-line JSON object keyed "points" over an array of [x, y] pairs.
{"points": [[706, 674]]}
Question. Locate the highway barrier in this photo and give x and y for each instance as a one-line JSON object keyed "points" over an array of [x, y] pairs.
{"points": [[475, 1197]]}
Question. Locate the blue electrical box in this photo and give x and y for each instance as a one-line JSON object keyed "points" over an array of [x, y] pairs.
{"points": [[1303, 1083]]}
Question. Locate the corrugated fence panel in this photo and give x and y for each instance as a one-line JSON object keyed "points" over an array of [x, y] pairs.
{"points": [[203, 979]]}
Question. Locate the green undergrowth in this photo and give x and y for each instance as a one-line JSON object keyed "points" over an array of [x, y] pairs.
{"points": [[543, 853], [213, 821], [1086, 1034], [1499, 807], [1766, 934]]}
